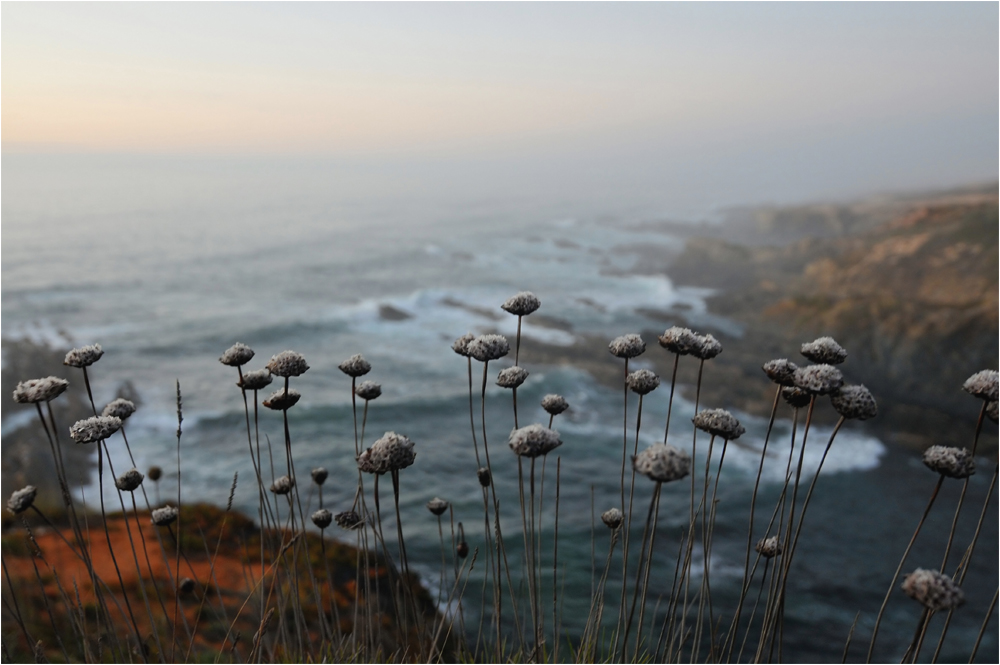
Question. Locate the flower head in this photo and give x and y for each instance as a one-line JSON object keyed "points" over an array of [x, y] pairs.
{"points": [[534, 440], [154, 473], [129, 481], [283, 485], [512, 377], [164, 516], [678, 340], [824, 351], [280, 400], [391, 452], [796, 398], [85, 356], [950, 462], [288, 363], [627, 346], [521, 304], [818, 379], [461, 345], [706, 347], [719, 422], [319, 475], [95, 428], [854, 402], [780, 371], [120, 408], [484, 476], [368, 390], [612, 518], [33, 391], [437, 506], [982, 385], [255, 380], [186, 585], [22, 499], [662, 462], [933, 590], [322, 518], [355, 366], [349, 520], [237, 355], [642, 381], [554, 404], [488, 347]]}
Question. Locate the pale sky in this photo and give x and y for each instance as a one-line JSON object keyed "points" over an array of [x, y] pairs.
{"points": [[624, 80]]}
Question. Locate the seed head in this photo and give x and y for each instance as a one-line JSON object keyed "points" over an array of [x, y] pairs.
{"points": [[33, 391], [154, 473], [627, 346], [255, 380], [512, 377], [186, 585], [484, 476], [461, 345], [719, 422], [678, 340], [22, 499], [237, 355], [392, 452], [534, 440], [319, 475], [769, 547], [797, 399], [854, 402], [281, 400], [120, 408], [780, 371], [824, 351], [554, 404], [612, 518], [642, 381], [349, 520], [982, 385], [488, 347], [462, 550], [95, 428], [85, 356], [437, 506], [368, 390], [662, 462], [322, 518], [950, 462], [522, 304], [933, 590], [706, 348], [991, 410], [164, 516], [288, 363], [818, 379], [355, 366], [129, 481], [283, 485]]}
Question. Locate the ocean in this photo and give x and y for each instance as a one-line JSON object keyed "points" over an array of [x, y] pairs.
{"points": [[167, 261]]}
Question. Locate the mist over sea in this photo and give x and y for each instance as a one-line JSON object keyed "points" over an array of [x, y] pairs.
{"points": [[168, 261]]}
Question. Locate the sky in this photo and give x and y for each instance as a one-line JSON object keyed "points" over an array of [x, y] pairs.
{"points": [[854, 94]]}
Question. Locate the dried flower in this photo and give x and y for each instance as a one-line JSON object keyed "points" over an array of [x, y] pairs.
{"points": [[462, 550], [391, 452], [642, 381], [120, 408], [484, 476], [797, 399], [288, 363], [719, 422], [95, 428], [461, 345], [854, 402], [349, 520], [950, 462], [186, 586], [322, 518], [368, 390], [283, 485], [706, 348], [85, 356], [662, 462], [280, 400], [780, 371], [255, 380], [355, 366], [488, 347], [437, 506], [164, 516], [22, 499], [933, 590], [824, 351], [512, 377], [678, 340], [554, 404], [534, 440], [129, 481], [154, 473], [769, 547], [33, 391], [365, 463], [319, 475], [522, 304], [982, 385], [991, 410], [612, 518], [237, 355], [627, 346], [818, 379]]}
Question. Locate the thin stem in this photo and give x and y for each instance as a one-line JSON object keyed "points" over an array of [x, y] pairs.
{"points": [[670, 402], [982, 629]]}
